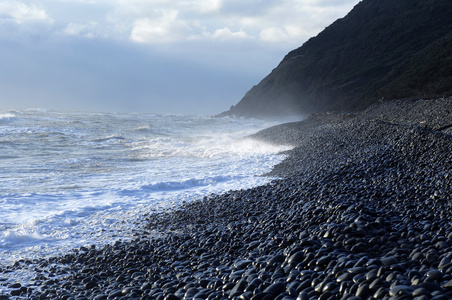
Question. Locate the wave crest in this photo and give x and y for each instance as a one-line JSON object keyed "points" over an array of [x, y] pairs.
{"points": [[12, 237]]}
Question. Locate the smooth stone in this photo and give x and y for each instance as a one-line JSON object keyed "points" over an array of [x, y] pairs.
{"points": [[356, 270], [358, 278], [448, 285], [90, 285], [362, 291], [293, 275], [444, 262], [324, 260], [276, 259], [404, 289], [305, 284], [228, 286], [371, 275], [441, 245], [375, 284], [200, 295], [275, 288], [241, 264], [261, 296], [268, 297], [388, 261], [295, 258], [380, 293], [430, 286], [345, 277], [15, 285], [191, 292], [441, 297], [239, 287], [245, 296], [330, 286], [15, 292], [434, 275], [420, 292], [115, 294], [303, 296]]}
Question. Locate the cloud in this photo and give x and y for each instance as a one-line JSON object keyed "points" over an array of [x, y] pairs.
{"points": [[21, 13], [88, 30], [227, 34], [287, 22], [163, 28], [278, 22], [26, 17], [206, 6], [148, 55]]}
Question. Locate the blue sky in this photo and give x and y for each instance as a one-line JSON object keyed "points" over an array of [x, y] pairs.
{"points": [[153, 56]]}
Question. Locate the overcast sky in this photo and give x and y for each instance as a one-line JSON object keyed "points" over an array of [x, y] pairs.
{"points": [[153, 56]]}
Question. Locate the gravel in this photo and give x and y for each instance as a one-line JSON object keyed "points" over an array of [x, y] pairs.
{"points": [[363, 211]]}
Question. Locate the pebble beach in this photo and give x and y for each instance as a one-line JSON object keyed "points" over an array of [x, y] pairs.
{"points": [[363, 210]]}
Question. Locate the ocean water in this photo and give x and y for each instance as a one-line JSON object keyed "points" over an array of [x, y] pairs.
{"points": [[74, 179]]}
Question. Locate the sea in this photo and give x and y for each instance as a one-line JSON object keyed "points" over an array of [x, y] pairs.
{"points": [[73, 179]]}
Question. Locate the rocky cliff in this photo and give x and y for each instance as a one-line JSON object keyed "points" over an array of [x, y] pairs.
{"points": [[381, 49]]}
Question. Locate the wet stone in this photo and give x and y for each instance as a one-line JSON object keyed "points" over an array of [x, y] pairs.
{"points": [[275, 288], [434, 275], [345, 277], [295, 258], [15, 285], [388, 261], [277, 259], [430, 286], [15, 292], [241, 264], [399, 290], [420, 292]]}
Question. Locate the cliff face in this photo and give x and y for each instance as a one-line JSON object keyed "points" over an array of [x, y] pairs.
{"points": [[381, 49]]}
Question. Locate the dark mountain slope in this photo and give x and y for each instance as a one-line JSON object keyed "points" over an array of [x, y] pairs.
{"points": [[381, 49]]}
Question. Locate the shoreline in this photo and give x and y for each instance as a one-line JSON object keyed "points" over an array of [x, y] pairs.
{"points": [[363, 210]]}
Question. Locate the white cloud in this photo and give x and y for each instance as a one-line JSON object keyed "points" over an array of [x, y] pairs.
{"points": [[281, 34], [227, 34], [21, 13], [88, 30], [208, 6], [278, 22], [273, 34], [163, 28]]}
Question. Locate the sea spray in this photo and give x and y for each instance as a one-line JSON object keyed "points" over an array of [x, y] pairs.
{"points": [[75, 179]]}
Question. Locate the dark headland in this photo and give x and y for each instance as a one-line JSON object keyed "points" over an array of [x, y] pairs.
{"points": [[363, 209], [382, 49]]}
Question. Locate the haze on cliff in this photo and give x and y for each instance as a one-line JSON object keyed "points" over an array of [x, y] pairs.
{"points": [[156, 56]]}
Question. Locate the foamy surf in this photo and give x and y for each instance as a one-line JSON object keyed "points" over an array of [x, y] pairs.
{"points": [[72, 179]]}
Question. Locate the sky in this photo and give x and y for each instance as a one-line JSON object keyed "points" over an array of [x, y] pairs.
{"points": [[150, 56]]}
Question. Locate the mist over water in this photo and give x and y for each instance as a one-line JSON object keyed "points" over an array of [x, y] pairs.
{"points": [[76, 179]]}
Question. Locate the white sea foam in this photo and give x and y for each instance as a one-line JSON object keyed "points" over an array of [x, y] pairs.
{"points": [[72, 179], [15, 237], [7, 117]]}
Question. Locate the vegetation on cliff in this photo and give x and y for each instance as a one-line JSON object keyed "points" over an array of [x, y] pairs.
{"points": [[381, 49]]}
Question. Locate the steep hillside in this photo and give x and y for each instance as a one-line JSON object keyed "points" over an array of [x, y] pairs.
{"points": [[381, 49]]}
